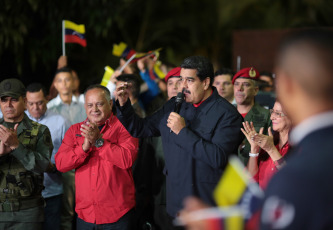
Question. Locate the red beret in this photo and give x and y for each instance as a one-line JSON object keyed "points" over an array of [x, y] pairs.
{"points": [[175, 72], [249, 72]]}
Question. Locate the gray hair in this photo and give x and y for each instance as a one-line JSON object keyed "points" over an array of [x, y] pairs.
{"points": [[97, 86]]}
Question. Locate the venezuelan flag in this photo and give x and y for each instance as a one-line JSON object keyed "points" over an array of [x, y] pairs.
{"points": [[157, 70], [107, 75], [123, 50], [232, 185], [237, 188], [228, 223], [138, 56], [74, 33], [216, 218]]}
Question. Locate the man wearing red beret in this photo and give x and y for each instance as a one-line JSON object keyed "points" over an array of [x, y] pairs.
{"points": [[245, 89], [172, 81]]}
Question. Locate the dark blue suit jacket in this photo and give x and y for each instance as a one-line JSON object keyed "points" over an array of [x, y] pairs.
{"points": [[300, 196], [196, 157]]}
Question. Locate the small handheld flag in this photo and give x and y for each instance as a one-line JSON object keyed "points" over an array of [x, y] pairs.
{"points": [[124, 51], [107, 75], [72, 33], [157, 70], [238, 199]]}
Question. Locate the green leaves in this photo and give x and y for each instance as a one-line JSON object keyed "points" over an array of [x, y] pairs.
{"points": [[30, 30]]}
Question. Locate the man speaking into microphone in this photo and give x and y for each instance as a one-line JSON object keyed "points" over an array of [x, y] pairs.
{"points": [[197, 140]]}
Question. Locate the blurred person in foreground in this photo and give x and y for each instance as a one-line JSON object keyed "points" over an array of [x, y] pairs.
{"points": [[265, 163], [301, 193], [223, 84], [102, 153], [25, 151], [197, 141], [58, 125]]}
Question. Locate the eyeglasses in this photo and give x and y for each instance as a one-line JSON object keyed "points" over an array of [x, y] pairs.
{"points": [[277, 113]]}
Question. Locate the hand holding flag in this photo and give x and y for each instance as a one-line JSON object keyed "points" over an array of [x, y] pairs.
{"points": [[238, 199]]}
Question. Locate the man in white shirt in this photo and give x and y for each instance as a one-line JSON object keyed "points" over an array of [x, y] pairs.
{"points": [[67, 105]]}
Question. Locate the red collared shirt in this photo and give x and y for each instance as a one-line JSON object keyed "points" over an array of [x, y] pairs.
{"points": [[267, 167], [103, 176]]}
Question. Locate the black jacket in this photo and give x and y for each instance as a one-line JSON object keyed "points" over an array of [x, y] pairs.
{"points": [[196, 157]]}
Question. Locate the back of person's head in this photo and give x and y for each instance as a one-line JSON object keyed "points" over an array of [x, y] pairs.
{"points": [[202, 65], [307, 56], [224, 71], [98, 86], [36, 87], [135, 83], [266, 81], [267, 73]]}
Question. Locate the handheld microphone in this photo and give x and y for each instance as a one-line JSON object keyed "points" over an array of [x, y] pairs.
{"points": [[178, 102]]}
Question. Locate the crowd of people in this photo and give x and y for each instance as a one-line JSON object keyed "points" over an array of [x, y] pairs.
{"points": [[144, 150]]}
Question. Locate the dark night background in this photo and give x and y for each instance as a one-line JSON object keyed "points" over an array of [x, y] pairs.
{"points": [[30, 31]]}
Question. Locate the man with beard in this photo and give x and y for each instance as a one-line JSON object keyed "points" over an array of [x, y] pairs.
{"points": [[245, 89], [197, 141]]}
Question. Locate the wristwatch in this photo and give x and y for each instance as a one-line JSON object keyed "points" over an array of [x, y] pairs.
{"points": [[99, 142]]}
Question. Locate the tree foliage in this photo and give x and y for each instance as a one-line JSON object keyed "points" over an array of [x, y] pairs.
{"points": [[30, 35]]}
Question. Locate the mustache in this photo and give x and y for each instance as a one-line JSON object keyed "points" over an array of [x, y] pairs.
{"points": [[186, 91]]}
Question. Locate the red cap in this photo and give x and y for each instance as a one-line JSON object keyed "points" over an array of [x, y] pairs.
{"points": [[249, 72], [175, 72]]}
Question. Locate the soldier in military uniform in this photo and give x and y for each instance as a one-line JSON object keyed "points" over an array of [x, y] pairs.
{"points": [[25, 150], [245, 89]]}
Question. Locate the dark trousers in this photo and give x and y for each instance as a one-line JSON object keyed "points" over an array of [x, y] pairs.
{"points": [[52, 213], [68, 205], [124, 223]]}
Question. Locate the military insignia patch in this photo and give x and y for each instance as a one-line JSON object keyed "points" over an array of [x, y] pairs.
{"points": [[277, 213], [252, 73], [7, 86]]}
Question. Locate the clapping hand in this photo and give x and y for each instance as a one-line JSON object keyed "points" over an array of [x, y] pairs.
{"points": [[265, 142], [9, 139], [91, 133]]}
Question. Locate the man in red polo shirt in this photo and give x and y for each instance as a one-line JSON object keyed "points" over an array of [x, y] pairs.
{"points": [[102, 153]]}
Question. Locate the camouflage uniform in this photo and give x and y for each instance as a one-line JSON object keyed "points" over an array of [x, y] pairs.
{"points": [[260, 118], [21, 175]]}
